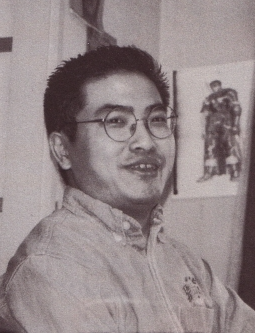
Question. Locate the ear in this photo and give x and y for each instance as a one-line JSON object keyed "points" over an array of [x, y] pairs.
{"points": [[59, 150]]}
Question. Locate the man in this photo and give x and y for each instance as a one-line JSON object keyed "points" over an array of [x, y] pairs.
{"points": [[222, 112], [103, 263]]}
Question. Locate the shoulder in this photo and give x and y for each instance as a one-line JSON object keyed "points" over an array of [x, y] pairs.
{"points": [[39, 238], [62, 237], [38, 243]]}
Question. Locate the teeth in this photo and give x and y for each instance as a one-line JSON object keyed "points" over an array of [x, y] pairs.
{"points": [[145, 167]]}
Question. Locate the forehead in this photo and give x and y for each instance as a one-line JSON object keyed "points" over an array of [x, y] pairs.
{"points": [[131, 89]]}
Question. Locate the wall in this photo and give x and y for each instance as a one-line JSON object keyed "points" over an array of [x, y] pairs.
{"points": [[196, 33], [44, 32], [199, 33], [132, 22], [5, 66]]}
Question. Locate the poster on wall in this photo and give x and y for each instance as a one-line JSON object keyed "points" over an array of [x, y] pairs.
{"points": [[92, 12], [214, 107]]}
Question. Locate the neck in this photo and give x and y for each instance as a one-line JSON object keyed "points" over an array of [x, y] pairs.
{"points": [[141, 213]]}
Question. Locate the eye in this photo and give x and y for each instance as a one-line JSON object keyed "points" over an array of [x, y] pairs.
{"points": [[159, 119], [117, 119]]}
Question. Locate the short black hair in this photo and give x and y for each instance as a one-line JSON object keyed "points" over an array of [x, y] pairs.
{"points": [[63, 97], [215, 83]]}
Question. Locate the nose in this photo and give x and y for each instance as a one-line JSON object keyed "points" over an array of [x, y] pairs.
{"points": [[142, 139]]}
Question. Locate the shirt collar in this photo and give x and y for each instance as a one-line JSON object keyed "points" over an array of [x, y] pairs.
{"points": [[126, 227]]}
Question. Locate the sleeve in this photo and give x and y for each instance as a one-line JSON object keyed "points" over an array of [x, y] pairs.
{"points": [[58, 295], [231, 314], [205, 106]]}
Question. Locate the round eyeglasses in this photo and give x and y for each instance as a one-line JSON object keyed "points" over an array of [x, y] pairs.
{"points": [[120, 124]]}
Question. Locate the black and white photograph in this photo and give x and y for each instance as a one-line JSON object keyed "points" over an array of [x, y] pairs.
{"points": [[127, 166]]}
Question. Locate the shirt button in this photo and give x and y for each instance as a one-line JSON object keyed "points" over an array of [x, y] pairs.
{"points": [[118, 238], [126, 225]]}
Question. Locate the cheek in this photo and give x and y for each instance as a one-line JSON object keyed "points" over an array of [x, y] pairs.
{"points": [[80, 153], [104, 153], [80, 162]]}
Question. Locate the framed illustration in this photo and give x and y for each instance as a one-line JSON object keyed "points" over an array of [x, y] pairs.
{"points": [[92, 12], [214, 108], [97, 38]]}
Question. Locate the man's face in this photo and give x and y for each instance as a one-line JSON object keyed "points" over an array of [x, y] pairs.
{"points": [[216, 87], [126, 173]]}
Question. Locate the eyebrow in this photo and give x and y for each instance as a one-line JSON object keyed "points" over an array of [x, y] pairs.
{"points": [[109, 107], [152, 106]]}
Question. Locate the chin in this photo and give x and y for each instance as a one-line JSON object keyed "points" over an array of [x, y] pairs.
{"points": [[146, 200]]}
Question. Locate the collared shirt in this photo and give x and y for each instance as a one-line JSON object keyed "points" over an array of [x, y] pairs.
{"points": [[88, 268]]}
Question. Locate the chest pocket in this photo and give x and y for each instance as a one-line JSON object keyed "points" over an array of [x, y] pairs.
{"points": [[196, 319]]}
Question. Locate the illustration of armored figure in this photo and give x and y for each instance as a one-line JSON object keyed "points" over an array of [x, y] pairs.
{"points": [[222, 113]]}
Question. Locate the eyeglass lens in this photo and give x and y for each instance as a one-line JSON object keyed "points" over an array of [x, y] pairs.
{"points": [[120, 125]]}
